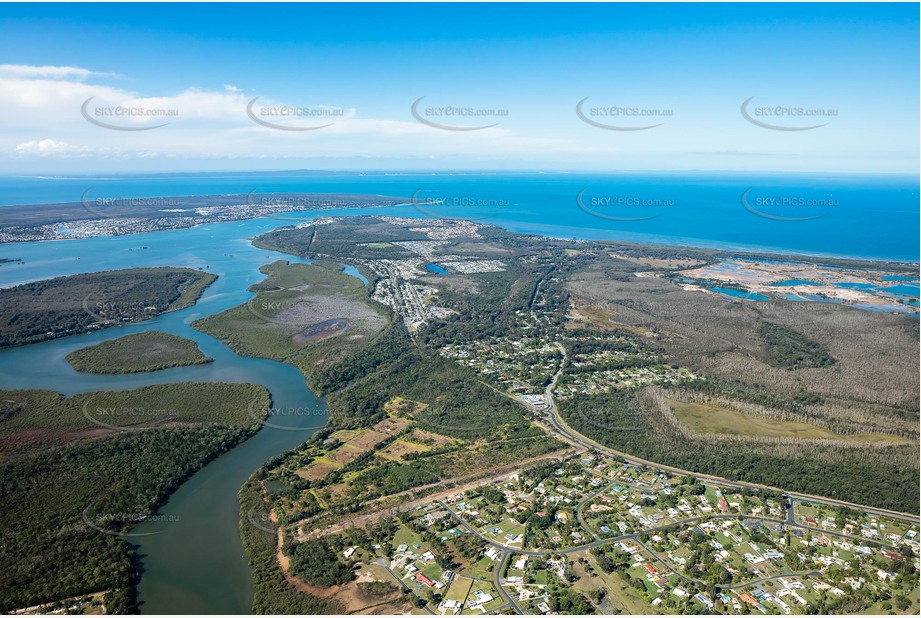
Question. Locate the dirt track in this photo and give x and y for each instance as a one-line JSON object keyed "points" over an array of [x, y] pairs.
{"points": [[472, 482]]}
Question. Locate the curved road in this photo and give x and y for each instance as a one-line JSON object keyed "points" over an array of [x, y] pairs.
{"points": [[684, 522], [568, 434], [508, 551]]}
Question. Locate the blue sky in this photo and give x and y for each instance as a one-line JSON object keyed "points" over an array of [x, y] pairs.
{"points": [[685, 67]]}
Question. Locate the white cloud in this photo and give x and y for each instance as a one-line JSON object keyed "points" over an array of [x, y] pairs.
{"points": [[48, 72], [49, 147], [40, 116]]}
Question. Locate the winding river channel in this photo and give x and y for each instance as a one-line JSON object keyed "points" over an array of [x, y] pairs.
{"points": [[192, 556]]}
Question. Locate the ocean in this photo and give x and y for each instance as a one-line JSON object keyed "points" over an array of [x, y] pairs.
{"points": [[857, 216], [866, 217]]}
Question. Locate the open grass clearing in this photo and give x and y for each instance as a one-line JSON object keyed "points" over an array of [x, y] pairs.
{"points": [[714, 419]]}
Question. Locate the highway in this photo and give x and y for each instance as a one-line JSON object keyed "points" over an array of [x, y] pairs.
{"points": [[559, 426], [566, 433], [561, 429]]}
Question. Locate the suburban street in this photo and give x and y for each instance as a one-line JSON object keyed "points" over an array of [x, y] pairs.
{"points": [[507, 551], [566, 433]]}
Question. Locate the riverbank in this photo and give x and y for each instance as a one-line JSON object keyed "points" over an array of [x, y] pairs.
{"points": [[92, 476], [178, 546]]}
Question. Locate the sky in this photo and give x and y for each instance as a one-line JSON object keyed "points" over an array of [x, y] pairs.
{"points": [[829, 87]]}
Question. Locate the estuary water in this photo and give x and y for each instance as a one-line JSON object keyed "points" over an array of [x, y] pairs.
{"points": [[195, 562]]}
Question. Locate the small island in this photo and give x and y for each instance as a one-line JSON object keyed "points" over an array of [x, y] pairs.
{"points": [[146, 351]]}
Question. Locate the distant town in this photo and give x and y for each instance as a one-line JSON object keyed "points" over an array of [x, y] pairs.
{"points": [[117, 217]]}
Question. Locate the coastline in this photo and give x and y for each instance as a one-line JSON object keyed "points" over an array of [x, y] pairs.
{"points": [[738, 250], [287, 217], [135, 215], [874, 219]]}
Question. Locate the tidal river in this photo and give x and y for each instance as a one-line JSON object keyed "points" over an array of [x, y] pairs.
{"points": [[194, 562]]}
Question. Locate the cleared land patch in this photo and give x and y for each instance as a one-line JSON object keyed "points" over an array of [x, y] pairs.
{"points": [[401, 448], [428, 438], [583, 313], [666, 263], [316, 470], [714, 419], [392, 425], [366, 439], [321, 331]]}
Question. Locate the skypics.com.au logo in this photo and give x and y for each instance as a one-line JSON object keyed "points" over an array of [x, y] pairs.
{"points": [[622, 207], [621, 118], [121, 207], [439, 117], [439, 207], [292, 117], [784, 206], [125, 117], [785, 117]]}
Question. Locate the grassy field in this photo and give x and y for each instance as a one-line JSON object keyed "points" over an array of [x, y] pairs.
{"points": [[459, 589], [417, 422], [878, 608], [353, 445], [146, 351], [715, 419], [350, 467]]}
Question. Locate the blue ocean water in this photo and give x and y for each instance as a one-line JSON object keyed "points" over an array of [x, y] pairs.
{"points": [[910, 290], [863, 216], [871, 217]]}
